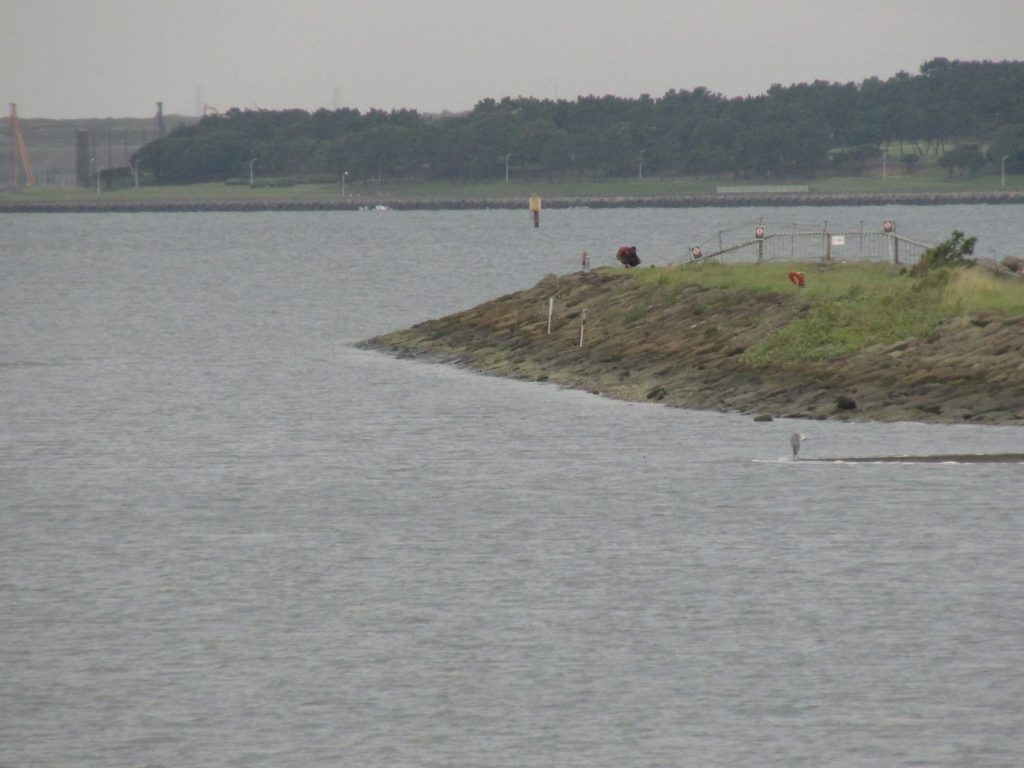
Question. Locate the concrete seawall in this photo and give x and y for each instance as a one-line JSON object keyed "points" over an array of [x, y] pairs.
{"points": [[681, 201]]}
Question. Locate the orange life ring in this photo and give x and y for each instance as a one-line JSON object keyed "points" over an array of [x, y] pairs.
{"points": [[797, 278]]}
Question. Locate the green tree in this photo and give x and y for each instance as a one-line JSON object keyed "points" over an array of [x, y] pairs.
{"points": [[1008, 142], [788, 131], [966, 158]]}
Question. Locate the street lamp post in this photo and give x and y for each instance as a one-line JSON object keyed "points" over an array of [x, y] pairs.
{"points": [[343, 175], [252, 176], [885, 157], [1002, 171], [135, 172], [640, 174], [506, 166]]}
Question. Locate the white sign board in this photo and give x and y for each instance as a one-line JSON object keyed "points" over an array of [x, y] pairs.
{"points": [[838, 239]]}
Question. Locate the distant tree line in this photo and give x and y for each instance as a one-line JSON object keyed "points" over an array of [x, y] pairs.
{"points": [[951, 109]]}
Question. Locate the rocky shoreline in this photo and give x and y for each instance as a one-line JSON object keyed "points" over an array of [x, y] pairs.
{"points": [[101, 205], [687, 353]]}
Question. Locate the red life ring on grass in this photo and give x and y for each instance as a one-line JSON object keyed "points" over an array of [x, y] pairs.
{"points": [[797, 278]]}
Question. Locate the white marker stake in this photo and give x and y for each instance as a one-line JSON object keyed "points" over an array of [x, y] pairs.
{"points": [[551, 311], [583, 324]]}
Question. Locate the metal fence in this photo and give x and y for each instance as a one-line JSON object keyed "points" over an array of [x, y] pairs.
{"points": [[820, 245]]}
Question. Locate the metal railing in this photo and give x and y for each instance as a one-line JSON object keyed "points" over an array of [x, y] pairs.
{"points": [[821, 245]]}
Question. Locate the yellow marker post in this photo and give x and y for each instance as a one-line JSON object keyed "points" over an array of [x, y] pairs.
{"points": [[535, 209]]}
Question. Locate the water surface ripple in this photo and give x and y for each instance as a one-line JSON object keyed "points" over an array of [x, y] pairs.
{"points": [[232, 538]]}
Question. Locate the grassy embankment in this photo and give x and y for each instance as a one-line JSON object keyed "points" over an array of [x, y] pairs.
{"points": [[850, 307], [861, 341], [929, 181]]}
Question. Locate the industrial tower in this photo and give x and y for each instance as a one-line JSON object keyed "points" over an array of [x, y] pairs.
{"points": [[20, 162]]}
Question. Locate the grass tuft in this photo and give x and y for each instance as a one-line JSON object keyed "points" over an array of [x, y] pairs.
{"points": [[970, 291]]}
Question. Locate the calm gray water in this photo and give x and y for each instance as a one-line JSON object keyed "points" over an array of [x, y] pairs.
{"points": [[230, 538]]}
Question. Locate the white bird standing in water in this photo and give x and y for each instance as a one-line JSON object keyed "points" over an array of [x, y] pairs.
{"points": [[794, 440]]}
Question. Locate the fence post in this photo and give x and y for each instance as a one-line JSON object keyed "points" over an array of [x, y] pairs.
{"points": [[889, 228]]}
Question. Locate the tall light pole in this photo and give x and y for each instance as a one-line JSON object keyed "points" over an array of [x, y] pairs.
{"points": [[343, 175], [506, 166], [885, 157], [640, 174], [1002, 170], [135, 172], [252, 176]]}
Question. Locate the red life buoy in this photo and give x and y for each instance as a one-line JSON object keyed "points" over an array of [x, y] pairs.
{"points": [[797, 278]]}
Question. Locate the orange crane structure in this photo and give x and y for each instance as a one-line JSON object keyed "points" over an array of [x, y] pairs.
{"points": [[20, 162]]}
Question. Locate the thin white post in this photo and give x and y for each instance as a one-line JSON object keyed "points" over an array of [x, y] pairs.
{"points": [[551, 311], [583, 324]]}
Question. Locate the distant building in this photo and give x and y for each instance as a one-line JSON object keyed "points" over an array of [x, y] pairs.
{"points": [[69, 152]]}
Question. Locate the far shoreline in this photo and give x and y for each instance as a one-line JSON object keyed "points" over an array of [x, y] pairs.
{"points": [[117, 204]]}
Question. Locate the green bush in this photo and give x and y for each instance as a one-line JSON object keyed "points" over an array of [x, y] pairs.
{"points": [[950, 253]]}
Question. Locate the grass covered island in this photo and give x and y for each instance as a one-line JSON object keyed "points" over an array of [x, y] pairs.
{"points": [[865, 341]]}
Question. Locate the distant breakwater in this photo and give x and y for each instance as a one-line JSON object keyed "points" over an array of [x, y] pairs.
{"points": [[676, 201]]}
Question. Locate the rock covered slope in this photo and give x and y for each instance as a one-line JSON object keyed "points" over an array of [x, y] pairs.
{"points": [[686, 350]]}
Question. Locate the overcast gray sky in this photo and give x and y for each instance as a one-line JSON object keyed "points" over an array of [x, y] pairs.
{"points": [[117, 58]]}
